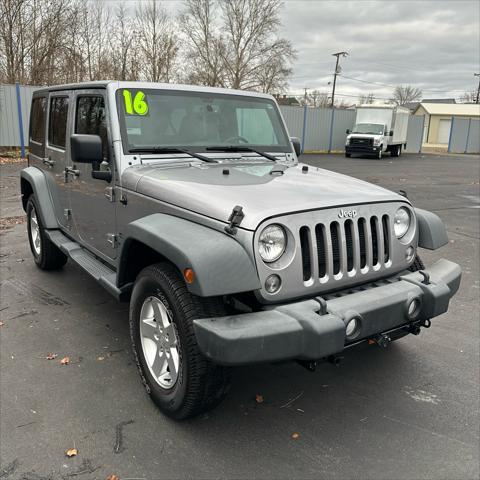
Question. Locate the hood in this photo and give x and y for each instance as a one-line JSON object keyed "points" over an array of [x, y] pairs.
{"points": [[214, 189]]}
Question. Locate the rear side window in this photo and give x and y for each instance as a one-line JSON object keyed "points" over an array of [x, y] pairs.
{"points": [[37, 120], [57, 123], [90, 118]]}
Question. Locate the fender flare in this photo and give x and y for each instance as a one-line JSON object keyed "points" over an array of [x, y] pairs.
{"points": [[432, 233], [38, 183], [221, 264]]}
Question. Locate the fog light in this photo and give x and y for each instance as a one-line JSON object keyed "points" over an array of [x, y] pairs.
{"points": [[413, 308], [273, 283], [409, 253], [353, 326]]}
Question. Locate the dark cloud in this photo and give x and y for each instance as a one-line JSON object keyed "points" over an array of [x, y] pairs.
{"points": [[433, 45]]}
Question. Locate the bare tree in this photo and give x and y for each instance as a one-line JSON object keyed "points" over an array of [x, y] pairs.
{"points": [[317, 98], [125, 65], [157, 42], [406, 93], [252, 44], [205, 48], [369, 98], [469, 97]]}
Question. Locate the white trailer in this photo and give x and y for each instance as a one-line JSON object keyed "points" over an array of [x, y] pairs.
{"points": [[378, 129]]}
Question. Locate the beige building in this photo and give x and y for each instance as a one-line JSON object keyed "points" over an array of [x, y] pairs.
{"points": [[438, 119]]}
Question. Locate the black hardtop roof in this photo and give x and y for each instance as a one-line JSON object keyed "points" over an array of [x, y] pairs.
{"points": [[75, 86]]}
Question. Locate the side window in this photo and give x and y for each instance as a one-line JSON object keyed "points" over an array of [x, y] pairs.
{"points": [[57, 123], [37, 120], [90, 118]]}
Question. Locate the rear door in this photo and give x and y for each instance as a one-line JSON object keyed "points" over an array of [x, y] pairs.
{"points": [[91, 199], [36, 140], [56, 152]]}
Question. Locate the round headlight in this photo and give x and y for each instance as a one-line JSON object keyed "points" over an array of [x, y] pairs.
{"points": [[272, 243], [401, 222]]}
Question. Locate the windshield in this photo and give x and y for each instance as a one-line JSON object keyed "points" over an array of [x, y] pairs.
{"points": [[372, 128], [196, 120]]}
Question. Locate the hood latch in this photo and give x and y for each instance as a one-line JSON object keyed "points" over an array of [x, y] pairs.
{"points": [[235, 219]]}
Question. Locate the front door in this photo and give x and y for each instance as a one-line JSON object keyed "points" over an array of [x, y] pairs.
{"points": [[56, 153], [92, 200]]}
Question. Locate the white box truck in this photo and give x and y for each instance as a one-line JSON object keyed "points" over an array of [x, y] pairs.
{"points": [[378, 129]]}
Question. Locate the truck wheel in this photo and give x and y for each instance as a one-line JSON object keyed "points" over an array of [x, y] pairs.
{"points": [[348, 155], [46, 255], [179, 379], [380, 153]]}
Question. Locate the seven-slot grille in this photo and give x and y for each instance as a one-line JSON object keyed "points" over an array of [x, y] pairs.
{"points": [[346, 247]]}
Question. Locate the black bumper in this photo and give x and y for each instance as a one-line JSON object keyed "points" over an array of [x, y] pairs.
{"points": [[314, 329], [363, 149]]}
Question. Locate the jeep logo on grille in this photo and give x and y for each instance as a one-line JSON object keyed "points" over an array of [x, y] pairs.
{"points": [[347, 214]]}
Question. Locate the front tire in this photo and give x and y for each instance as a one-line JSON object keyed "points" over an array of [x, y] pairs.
{"points": [[348, 155], [380, 153], [179, 379], [46, 255]]}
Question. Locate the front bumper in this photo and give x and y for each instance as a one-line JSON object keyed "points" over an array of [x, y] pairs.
{"points": [[365, 149], [316, 328]]}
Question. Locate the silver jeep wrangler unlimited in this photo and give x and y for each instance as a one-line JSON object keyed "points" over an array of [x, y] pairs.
{"points": [[190, 203]]}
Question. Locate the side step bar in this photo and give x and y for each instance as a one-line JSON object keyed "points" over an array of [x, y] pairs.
{"points": [[102, 273]]}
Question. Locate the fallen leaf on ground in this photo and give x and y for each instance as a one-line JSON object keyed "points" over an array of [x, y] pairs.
{"points": [[100, 358], [65, 360], [113, 477], [295, 436], [259, 398], [2, 323], [71, 452], [51, 356]]}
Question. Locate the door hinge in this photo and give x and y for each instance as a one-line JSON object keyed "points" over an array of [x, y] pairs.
{"points": [[110, 193], [112, 240]]}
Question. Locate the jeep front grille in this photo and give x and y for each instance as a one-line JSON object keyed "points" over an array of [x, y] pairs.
{"points": [[345, 248]]}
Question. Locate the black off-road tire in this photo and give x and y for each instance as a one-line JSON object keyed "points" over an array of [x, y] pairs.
{"points": [[348, 155], [200, 385], [50, 256]]}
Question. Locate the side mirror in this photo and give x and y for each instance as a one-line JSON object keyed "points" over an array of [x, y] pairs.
{"points": [[296, 145], [391, 133], [347, 131], [86, 149]]}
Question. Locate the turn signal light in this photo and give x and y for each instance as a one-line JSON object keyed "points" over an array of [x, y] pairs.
{"points": [[189, 275]]}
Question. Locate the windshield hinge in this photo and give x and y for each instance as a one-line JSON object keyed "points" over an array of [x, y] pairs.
{"points": [[112, 240], [235, 219]]}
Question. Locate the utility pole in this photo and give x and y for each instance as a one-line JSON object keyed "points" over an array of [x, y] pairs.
{"points": [[305, 96], [478, 89], [337, 71]]}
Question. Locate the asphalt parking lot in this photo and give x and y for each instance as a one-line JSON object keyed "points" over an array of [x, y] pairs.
{"points": [[408, 412]]}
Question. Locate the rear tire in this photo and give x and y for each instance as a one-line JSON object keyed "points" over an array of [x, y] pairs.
{"points": [[46, 254], [348, 155], [180, 380]]}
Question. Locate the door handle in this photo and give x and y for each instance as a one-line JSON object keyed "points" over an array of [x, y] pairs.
{"points": [[49, 162], [72, 171]]}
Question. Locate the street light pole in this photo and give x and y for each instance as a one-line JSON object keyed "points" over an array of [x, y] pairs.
{"points": [[478, 89], [343, 54]]}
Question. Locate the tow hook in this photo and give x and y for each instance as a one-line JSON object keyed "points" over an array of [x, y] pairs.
{"points": [[414, 329], [335, 360], [427, 323], [382, 340], [310, 365]]}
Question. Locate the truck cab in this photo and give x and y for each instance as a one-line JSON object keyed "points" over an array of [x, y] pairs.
{"points": [[378, 129]]}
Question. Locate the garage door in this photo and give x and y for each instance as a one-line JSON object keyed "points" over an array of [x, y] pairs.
{"points": [[444, 131]]}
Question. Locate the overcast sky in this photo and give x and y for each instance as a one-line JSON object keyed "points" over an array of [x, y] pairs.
{"points": [[433, 45]]}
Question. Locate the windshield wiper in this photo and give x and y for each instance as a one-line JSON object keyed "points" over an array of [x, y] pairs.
{"points": [[172, 150], [234, 148]]}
